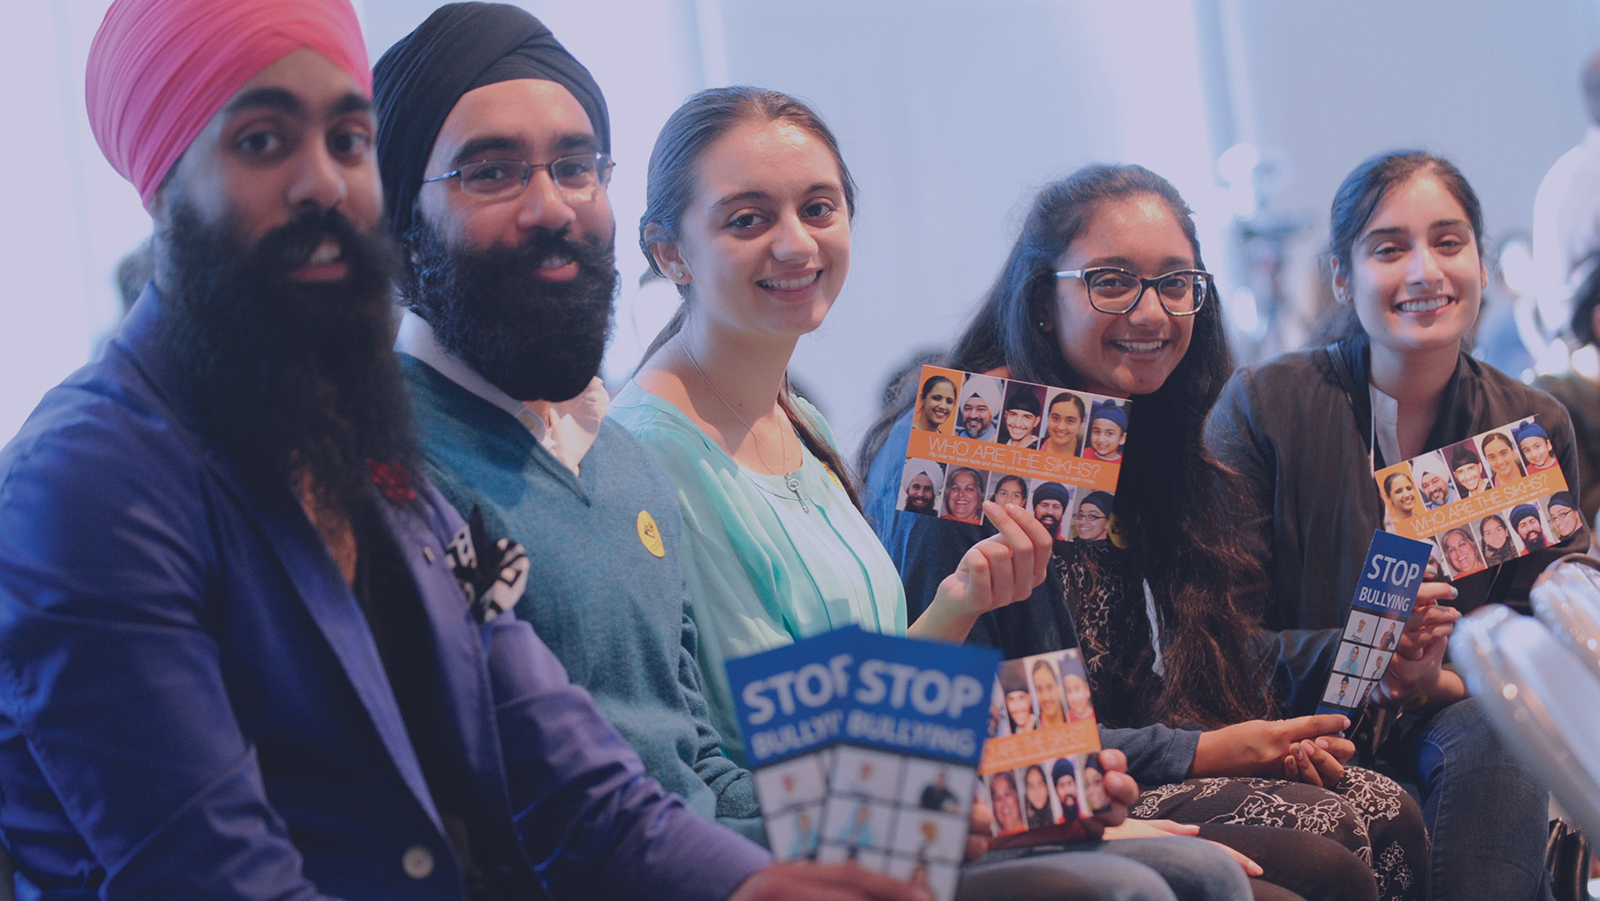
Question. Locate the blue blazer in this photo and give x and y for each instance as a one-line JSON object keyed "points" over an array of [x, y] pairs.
{"points": [[192, 705]]}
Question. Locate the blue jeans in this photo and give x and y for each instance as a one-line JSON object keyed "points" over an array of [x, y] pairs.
{"points": [[1140, 869], [1488, 820]]}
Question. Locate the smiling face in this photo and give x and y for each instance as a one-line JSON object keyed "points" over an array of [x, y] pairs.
{"points": [[1090, 523], [1038, 789], [1010, 491], [1078, 696], [1566, 520], [919, 494], [764, 246], [1106, 437], [1470, 475], [1019, 705], [523, 119], [1531, 533], [1020, 425], [1537, 449], [975, 415], [1502, 459], [1416, 279], [1007, 807], [1048, 690], [1064, 425], [1462, 555], [1094, 789], [962, 497], [938, 399], [1495, 533], [1135, 352], [1402, 494], [1435, 488], [1067, 791], [1049, 512]]}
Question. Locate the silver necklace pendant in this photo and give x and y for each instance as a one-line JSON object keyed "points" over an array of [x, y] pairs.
{"points": [[794, 485]]}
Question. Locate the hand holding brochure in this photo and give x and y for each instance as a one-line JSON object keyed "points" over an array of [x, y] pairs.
{"points": [[1041, 764], [1382, 604], [865, 747], [1484, 501]]}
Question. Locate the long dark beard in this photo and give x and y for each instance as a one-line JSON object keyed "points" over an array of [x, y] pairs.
{"points": [[531, 338], [298, 383]]}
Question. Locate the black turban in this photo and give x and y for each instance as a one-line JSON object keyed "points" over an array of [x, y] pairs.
{"points": [[461, 47]]}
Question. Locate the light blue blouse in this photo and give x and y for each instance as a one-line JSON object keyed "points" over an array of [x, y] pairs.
{"points": [[762, 571]]}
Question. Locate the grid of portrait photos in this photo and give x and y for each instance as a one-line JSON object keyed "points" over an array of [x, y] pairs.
{"points": [[1484, 501], [978, 437], [1040, 773], [900, 815], [850, 769], [1394, 569]]}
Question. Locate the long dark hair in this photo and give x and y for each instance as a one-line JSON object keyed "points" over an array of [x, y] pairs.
{"points": [[1174, 501], [673, 179]]}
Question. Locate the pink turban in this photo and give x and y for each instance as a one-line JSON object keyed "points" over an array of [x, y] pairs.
{"points": [[160, 69]]}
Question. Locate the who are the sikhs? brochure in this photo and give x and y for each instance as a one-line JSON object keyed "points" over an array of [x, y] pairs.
{"points": [[1052, 451], [1484, 501], [1041, 765]]}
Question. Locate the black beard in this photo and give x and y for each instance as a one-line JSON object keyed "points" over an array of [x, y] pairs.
{"points": [[531, 338], [921, 505], [1534, 542], [1052, 523], [972, 432], [298, 382]]}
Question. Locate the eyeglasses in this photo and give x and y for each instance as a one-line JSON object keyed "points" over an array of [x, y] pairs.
{"points": [[1117, 291], [1087, 517], [578, 176]]}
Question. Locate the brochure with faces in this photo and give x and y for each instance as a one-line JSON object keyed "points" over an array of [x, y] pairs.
{"points": [[865, 748], [1484, 501], [1040, 770], [1395, 568], [1051, 451]]}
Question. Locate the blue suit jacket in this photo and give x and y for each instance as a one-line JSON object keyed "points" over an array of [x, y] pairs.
{"points": [[192, 705]]}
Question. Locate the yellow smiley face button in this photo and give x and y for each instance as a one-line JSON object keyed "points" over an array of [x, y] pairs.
{"points": [[649, 535]]}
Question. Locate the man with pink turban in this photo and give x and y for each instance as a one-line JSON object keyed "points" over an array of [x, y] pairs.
{"points": [[246, 652]]}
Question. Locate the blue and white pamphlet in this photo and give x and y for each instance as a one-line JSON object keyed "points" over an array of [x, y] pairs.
{"points": [[865, 747], [1394, 570]]}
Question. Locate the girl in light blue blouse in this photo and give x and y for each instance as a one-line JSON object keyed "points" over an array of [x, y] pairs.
{"points": [[748, 213], [749, 209]]}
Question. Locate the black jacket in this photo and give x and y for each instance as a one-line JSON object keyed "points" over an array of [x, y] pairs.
{"points": [[1297, 429]]}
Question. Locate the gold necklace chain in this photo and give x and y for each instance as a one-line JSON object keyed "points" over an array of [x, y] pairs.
{"points": [[790, 476]]}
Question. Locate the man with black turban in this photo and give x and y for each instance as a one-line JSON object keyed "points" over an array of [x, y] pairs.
{"points": [[509, 297]]}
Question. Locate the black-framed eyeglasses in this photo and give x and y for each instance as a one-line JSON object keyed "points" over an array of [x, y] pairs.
{"points": [[1088, 517], [1117, 291], [578, 175]]}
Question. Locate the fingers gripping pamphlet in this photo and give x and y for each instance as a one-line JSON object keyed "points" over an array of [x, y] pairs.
{"points": [[1393, 572], [1484, 501], [1041, 765], [865, 747], [1052, 451]]}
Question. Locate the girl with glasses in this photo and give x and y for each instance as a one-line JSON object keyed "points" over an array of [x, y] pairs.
{"points": [[1172, 544], [748, 209], [1307, 430]]}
